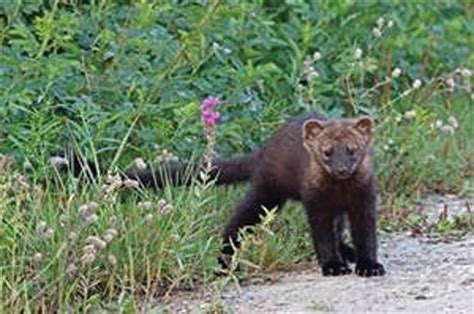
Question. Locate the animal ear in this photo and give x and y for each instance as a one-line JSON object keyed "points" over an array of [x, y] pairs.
{"points": [[311, 129], [365, 125]]}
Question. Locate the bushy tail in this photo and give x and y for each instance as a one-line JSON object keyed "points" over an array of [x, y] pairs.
{"points": [[223, 171]]}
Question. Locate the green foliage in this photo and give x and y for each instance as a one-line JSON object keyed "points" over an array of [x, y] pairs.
{"points": [[115, 79]]}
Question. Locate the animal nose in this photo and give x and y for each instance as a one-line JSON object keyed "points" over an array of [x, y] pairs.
{"points": [[342, 172]]}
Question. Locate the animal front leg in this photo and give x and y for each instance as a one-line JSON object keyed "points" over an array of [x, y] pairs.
{"points": [[326, 239], [362, 217]]}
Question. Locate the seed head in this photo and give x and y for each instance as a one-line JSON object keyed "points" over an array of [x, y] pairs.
{"points": [[451, 83], [96, 242], [409, 114], [453, 122], [380, 22], [139, 164], [317, 56], [466, 72], [91, 219], [447, 129], [376, 31], [72, 270], [396, 72], [358, 54], [145, 205], [37, 258], [416, 84], [131, 184], [112, 260]]}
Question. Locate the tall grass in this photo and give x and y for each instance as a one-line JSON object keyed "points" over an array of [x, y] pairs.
{"points": [[117, 82]]}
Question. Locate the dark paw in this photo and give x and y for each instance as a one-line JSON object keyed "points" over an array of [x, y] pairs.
{"points": [[335, 268], [347, 253], [369, 269]]}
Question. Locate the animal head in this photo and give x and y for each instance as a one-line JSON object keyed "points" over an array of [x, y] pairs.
{"points": [[338, 146]]}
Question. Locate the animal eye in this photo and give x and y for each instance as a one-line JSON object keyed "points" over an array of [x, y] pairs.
{"points": [[327, 152]]}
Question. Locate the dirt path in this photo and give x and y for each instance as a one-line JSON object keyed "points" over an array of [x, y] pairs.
{"points": [[424, 275]]}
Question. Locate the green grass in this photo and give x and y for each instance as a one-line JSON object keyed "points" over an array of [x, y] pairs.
{"points": [[117, 81]]}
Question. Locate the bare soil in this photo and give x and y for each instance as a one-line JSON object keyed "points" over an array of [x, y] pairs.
{"points": [[424, 275]]}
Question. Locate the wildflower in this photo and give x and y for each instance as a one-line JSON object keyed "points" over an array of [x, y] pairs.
{"points": [[376, 31], [451, 84], [41, 227], [409, 114], [97, 242], [89, 248], [112, 231], [208, 115], [466, 72], [311, 74], [139, 163], [453, 122], [396, 72], [416, 84], [37, 258], [83, 210], [390, 24], [317, 56], [447, 129], [131, 184], [431, 157], [164, 208], [149, 217], [437, 124], [48, 234], [87, 259], [112, 260], [72, 270], [380, 22], [91, 219], [358, 53], [72, 236], [110, 234], [145, 205]]}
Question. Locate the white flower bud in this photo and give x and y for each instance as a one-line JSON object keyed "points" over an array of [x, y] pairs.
{"points": [[453, 122], [131, 184], [466, 72], [97, 242], [380, 22], [358, 53], [410, 114], [416, 84], [317, 56], [447, 129], [396, 72], [376, 31], [139, 164]]}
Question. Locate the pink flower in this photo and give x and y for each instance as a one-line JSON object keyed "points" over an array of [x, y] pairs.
{"points": [[208, 116]]}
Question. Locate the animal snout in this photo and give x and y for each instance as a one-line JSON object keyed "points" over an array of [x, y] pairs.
{"points": [[342, 172]]}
